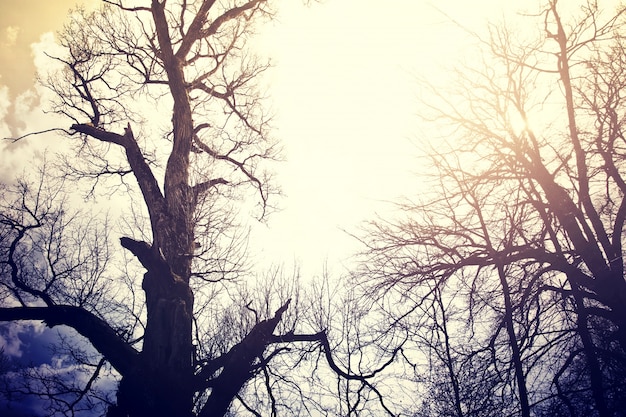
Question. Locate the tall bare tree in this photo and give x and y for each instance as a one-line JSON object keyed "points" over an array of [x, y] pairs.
{"points": [[124, 66]]}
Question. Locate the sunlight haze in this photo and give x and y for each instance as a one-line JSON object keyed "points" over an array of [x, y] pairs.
{"points": [[343, 91]]}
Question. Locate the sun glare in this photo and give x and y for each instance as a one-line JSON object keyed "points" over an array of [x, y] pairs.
{"points": [[517, 123]]}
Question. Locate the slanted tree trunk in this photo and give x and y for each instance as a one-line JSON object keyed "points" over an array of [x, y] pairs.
{"points": [[516, 354]]}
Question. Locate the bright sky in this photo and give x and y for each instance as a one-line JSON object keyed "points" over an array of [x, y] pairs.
{"points": [[344, 92]]}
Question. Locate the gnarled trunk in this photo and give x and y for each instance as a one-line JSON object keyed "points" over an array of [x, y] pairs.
{"points": [[161, 382]]}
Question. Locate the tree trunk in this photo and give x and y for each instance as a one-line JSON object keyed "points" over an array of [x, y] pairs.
{"points": [[515, 350], [593, 365], [161, 384]]}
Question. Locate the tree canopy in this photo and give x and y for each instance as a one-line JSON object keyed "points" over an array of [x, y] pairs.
{"points": [[509, 272]]}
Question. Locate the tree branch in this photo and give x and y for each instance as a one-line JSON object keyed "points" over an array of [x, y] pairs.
{"points": [[229, 15], [145, 178], [102, 336], [195, 29], [128, 9], [323, 340], [145, 254], [203, 187], [238, 366]]}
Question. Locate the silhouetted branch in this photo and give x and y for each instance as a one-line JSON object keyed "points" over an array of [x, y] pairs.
{"points": [[56, 129], [106, 341]]}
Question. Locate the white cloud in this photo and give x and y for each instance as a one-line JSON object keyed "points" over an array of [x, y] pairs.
{"points": [[11, 34], [42, 50], [27, 116], [10, 339], [4, 105]]}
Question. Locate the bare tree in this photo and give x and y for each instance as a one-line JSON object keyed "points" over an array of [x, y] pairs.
{"points": [[525, 224], [174, 341]]}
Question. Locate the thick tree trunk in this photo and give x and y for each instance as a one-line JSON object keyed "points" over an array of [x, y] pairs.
{"points": [[161, 382], [162, 385]]}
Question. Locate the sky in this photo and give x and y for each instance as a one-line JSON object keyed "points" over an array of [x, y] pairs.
{"points": [[343, 91], [345, 95]]}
